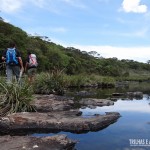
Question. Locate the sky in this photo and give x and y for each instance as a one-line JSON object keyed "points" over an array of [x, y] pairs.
{"points": [[112, 28]]}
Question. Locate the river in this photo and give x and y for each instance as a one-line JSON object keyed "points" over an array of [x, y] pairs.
{"points": [[130, 132]]}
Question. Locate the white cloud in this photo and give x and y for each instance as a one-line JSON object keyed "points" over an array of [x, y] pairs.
{"points": [[140, 54], [133, 6], [10, 6]]}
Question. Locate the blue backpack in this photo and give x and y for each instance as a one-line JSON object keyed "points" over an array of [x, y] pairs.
{"points": [[11, 58]]}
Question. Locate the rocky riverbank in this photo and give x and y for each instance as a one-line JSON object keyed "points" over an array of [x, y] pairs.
{"points": [[49, 122], [54, 114]]}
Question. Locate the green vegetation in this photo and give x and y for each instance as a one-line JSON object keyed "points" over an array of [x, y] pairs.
{"points": [[60, 68], [49, 82], [71, 60], [90, 80], [15, 98]]}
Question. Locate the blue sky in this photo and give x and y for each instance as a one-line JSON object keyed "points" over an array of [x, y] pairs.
{"points": [[113, 28]]}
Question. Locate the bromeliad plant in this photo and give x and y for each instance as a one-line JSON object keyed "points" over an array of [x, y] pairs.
{"points": [[49, 83], [15, 98]]}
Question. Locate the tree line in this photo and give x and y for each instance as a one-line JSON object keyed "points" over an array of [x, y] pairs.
{"points": [[73, 61]]}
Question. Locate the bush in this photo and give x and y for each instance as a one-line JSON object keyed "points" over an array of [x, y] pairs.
{"points": [[49, 83], [15, 98]]}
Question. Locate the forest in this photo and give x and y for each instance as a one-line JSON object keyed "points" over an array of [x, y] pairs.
{"points": [[69, 59]]}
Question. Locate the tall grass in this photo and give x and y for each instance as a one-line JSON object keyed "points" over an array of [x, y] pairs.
{"points": [[15, 98], [86, 80], [49, 82]]}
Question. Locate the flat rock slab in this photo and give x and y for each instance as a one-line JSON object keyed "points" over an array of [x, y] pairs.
{"points": [[96, 102], [52, 122], [48, 103], [57, 142]]}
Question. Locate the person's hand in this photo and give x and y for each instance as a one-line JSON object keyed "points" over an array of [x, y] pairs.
{"points": [[3, 58]]}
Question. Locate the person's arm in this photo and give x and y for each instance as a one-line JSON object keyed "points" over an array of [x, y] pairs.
{"points": [[20, 59], [26, 66], [21, 63]]}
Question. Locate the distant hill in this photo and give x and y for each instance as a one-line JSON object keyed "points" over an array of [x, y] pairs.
{"points": [[72, 60]]}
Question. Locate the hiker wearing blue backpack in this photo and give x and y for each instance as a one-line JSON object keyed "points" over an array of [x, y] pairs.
{"points": [[14, 64]]}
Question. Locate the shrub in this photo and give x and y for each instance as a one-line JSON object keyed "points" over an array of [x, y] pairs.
{"points": [[50, 82], [15, 98]]}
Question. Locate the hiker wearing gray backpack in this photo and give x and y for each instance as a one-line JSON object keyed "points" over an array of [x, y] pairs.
{"points": [[13, 61], [31, 66]]}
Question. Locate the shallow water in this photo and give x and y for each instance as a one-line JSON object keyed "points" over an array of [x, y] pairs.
{"points": [[130, 132]]}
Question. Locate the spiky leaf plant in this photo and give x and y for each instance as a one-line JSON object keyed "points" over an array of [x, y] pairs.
{"points": [[50, 82], [15, 98]]}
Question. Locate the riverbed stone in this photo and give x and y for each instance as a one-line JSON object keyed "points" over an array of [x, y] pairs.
{"points": [[57, 142], [48, 103], [95, 102], [136, 95], [70, 121]]}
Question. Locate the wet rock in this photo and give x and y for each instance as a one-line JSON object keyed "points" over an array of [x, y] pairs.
{"points": [[114, 99], [57, 142], [91, 106], [83, 107], [137, 95], [20, 123], [48, 103], [96, 102]]}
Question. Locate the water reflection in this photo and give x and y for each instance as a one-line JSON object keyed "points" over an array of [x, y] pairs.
{"points": [[105, 93], [121, 106]]}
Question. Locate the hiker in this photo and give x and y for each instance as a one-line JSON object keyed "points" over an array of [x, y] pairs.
{"points": [[13, 61], [31, 66]]}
